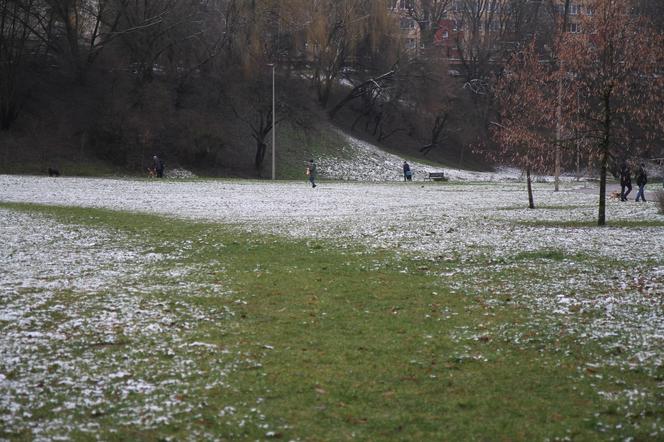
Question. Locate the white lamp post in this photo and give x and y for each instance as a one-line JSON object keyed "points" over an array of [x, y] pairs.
{"points": [[274, 122]]}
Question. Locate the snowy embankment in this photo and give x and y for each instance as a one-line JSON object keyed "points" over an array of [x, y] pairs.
{"points": [[364, 161]]}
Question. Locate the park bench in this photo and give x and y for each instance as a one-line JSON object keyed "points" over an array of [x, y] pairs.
{"points": [[437, 176]]}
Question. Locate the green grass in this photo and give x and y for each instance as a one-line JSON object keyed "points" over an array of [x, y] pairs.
{"points": [[87, 168], [342, 344], [551, 254]]}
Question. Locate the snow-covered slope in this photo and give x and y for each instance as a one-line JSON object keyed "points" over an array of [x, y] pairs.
{"points": [[369, 163]]}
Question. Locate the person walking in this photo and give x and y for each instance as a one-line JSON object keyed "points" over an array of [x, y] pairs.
{"points": [[625, 181], [311, 171], [407, 173], [158, 166], [641, 181]]}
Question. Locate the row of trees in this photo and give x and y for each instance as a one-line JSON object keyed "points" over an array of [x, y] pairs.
{"points": [[224, 45], [230, 42], [599, 92]]}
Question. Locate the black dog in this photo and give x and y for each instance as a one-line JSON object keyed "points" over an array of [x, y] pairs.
{"points": [[53, 172]]}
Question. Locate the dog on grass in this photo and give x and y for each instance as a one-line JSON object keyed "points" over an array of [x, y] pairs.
{"points": [[152, 173], [53, 172], [614, 195]]}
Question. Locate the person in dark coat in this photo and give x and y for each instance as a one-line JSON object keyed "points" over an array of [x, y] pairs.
{"points": [[641, 181], [158, 166], [312, 171], [407, 173], [625, 181]]}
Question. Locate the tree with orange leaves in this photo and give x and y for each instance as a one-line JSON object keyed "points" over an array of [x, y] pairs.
{"points": [[607, 87], [526, 114]]}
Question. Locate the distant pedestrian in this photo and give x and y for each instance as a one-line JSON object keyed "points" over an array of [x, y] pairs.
{"points": [[311, 171], [641, 181], [625, 181], [407, 173], [158, 166]]}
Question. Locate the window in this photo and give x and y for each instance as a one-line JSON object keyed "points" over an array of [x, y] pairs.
{"points": [[399, 4], [573, 28], [446, 34], [407, 23], [574, 9]]}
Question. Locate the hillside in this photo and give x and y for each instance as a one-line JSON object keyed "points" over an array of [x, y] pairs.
{"points": [[112, 126]]}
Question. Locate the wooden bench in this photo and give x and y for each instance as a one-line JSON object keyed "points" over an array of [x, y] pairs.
{"points": [[437, 176]]}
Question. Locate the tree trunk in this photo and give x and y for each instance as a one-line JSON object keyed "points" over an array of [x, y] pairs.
{"points": [[606, 142], [261, 148], [531, 200], [559, 116], [578, 162], [601, 217], [324, 89]]}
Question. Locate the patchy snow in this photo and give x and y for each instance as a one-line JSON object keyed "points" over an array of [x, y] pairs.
{"points": [[179, 173], [614, 296], [68, 296]]}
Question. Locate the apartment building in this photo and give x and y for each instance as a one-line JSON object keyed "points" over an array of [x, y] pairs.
{"points": [[577, 10], [410, 32], [487, 22]]}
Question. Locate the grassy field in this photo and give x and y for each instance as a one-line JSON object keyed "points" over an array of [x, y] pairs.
{"points": [[308, 341]]}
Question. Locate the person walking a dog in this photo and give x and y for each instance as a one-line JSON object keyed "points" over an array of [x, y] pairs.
{"points": [[407, 173], [158, 166], [641, 181], [625, 181], [311, 172]]}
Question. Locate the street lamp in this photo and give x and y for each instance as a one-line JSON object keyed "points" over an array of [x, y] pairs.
{"points": [[274, 122]]}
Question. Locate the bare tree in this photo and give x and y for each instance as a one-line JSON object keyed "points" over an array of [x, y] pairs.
{"points": [[428, 14], [151, 32], [15, 38], [335, 33], [371, 90], [493, 29], [253, 106], [78, 30]]}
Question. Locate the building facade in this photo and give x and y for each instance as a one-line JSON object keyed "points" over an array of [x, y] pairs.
{"points": [[494, 25]]}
